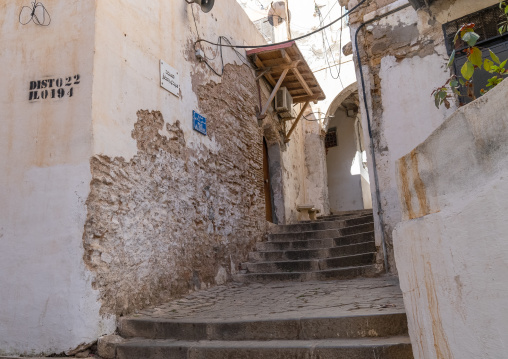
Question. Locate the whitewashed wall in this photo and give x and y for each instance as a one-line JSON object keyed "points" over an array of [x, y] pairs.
{"points": [[47, 302], [451, 246], [406, 62]]}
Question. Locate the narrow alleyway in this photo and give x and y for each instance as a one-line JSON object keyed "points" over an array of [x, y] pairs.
{"points": [[294, 317]]}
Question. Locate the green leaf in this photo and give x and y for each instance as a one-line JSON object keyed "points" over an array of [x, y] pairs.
{"points": [[506, 10], [503, 63], [494, 57], [462, 82], [476, 57], [452, 58], [487, 65], [456, 37], [436, 100], [501, 30], [467, 70], [454, 83], [471, 38]]}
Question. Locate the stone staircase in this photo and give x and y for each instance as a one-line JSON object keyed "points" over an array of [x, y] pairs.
{"points": [[303, 313], [334, 247]]}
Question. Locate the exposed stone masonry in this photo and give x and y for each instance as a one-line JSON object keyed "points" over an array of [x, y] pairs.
{"points": [[175, 219]]}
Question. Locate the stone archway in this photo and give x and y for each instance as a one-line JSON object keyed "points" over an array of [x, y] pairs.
{"points": [[346, 160]]}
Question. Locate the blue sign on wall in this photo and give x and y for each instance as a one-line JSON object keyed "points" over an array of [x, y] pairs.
{"points": [[198, 122]]}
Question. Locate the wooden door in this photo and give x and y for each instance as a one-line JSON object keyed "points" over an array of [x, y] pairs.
{"points": [[266, 180]]}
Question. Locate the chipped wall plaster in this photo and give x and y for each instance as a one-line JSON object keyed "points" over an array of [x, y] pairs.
{"points": [[404, 60]]}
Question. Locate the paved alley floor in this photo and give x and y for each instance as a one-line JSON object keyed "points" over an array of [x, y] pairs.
{"points": [[280, 300]]}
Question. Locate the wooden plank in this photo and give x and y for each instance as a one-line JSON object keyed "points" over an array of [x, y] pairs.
{"points": [[285, 57], [276, 62], [306, 98], [259, 64], [302, 81], [268, 48], [286, 139], [281, 68], [272, 95]]}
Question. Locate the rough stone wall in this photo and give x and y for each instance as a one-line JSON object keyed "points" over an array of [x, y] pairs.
{"points": [[173, 219]]}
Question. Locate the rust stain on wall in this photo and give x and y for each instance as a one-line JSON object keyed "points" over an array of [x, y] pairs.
{"points": [[406, 191], [419, 186], [170, 219], [412, 185], [440, 340]]}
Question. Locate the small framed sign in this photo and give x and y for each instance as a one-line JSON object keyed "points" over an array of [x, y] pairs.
{"points": [[198, 123], [170, 80]]}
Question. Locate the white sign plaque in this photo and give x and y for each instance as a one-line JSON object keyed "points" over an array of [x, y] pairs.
{"points": [[170, 80]]}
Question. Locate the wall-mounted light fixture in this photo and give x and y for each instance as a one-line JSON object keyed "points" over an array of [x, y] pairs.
{"points": [[206, 5]]}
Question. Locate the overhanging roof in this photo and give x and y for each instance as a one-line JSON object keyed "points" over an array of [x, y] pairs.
{"points": [[300, 82]]}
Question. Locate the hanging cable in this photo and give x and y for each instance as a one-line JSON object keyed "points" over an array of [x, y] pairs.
{"points": [[287, 41], [218, 50], [32, 11], [327, 47]]}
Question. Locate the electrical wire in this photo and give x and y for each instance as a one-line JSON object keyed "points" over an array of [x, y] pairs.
{"points": [[327, 47], [287, 41], [317, 119], [33, 14], [218, 49]]}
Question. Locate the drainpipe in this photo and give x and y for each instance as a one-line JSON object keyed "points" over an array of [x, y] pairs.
{"points": [[373, 154]]}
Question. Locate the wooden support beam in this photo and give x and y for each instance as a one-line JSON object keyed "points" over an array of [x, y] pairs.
{"points": [[259, 64], [262, 114], [286, 139], [261, 74], [299, 99], [302, 81], [278, 68], [285, 56]]}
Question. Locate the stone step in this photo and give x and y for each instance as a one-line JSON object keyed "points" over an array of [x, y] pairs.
{"points": [[398, 347], [346, 214], [317, 226], [315, 243], [327, 233], [307, 265], [270, 256], [329, 274], [333, 327]]}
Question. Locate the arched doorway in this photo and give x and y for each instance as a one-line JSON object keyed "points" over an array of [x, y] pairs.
{"points": [[346, 159]]}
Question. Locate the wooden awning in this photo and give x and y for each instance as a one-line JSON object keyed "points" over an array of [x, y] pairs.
{"points": [[284, 66], [273, 61]]}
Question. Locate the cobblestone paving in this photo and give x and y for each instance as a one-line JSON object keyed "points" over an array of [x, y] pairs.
{"points": [[285, 300]]}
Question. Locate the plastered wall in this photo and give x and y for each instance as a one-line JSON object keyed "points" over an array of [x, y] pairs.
{"points": [[403, 60], [450, 247], [343, 171], [47, 301], [111, 202]]}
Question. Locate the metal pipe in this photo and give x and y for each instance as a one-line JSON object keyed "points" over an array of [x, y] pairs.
{"points": [[373, 154]]}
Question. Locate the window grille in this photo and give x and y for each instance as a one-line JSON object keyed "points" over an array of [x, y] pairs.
{"points": [[331, 138], [486, 25]]}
